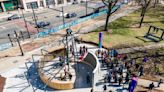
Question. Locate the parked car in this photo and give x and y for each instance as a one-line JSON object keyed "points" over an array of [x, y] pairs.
{"points": [[42, 24], [15, 16], [71, 15]]}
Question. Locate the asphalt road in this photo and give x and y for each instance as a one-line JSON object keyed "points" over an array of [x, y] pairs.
{"points": [[48, 15]]}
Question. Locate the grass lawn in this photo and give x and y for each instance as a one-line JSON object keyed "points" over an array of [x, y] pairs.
{"points": [[124, 32]]}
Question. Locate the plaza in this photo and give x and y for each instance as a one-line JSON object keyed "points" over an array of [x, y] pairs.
{"points": [[86, 52]]}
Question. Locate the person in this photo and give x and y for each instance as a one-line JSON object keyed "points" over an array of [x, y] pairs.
{"points": [[65, 72], [141, 71], [109, 77], [104, 88], [145, 59], [70, 76], [120, 80], [105, 79], [151, 86], [127, 78], [120, 70], [112, 66], [133, 83], [115, 77], [80, 51], [91, 90], [84, 50], [160, 81]]}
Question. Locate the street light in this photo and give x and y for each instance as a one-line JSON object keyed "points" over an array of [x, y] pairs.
{"points": [[63, 16], [68, 31], [17, 38], [31, 4], [86, 6], [25, 22]]}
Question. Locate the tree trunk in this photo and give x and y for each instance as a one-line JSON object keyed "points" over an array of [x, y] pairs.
{"points": [[142, 19], [143, 10], [107, 19], [155, 2]]}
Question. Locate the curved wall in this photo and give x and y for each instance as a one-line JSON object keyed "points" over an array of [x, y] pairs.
{"points": [[93, 61], [54, 83]]}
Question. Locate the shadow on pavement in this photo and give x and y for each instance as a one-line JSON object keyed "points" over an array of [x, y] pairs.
{"points": [[34, 79]]}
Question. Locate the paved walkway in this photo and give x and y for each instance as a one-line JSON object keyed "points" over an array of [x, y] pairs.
{"points": [[16, 80]]}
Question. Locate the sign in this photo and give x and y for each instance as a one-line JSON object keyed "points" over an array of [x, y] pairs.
{"points": [[100, 39]]}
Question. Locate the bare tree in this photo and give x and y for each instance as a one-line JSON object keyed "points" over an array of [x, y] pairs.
{"points": [[144, 4], [110, 4], [155, 2]]}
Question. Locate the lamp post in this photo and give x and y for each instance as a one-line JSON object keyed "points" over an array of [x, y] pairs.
{"points": [[86, 6], [63, 16], [17, 38], [34, 17], [69, 32], [10, 40], [25, 23]]}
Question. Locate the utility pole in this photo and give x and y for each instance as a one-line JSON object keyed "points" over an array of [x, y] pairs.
{"points": [[63, 16], [34, 17], [86, 6], [16, 36], [10, 40], [25, 23]]}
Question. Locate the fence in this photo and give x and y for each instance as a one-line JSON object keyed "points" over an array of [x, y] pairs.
{"points": [[67, 25], [75, 22]]}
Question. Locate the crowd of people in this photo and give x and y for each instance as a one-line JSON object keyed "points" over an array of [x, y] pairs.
{"points": [[117, 64]]}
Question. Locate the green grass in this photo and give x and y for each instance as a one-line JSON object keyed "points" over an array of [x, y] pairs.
{"points": [[124, 32]]}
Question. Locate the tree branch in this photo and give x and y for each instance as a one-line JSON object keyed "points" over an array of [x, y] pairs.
{"points": [[115, 10], [114, 4], [105, 3]]}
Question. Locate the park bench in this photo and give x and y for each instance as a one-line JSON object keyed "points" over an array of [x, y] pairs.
{"points": [[153, 34]]}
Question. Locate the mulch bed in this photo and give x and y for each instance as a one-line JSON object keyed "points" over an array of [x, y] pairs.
{"points": [[2, 83]]}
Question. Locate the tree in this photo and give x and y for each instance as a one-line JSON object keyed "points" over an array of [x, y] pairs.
{"points": [[155, 2], [110, 4], [144, 4]]}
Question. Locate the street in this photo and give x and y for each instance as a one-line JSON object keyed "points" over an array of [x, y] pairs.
{"points": [[47, 15]]}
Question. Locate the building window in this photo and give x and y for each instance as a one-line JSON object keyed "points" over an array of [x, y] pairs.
{"points": [[41, 3], [60, 1], [68, 1], [50, 2], [34, 5]]}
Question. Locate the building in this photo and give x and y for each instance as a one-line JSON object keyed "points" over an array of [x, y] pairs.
{"points": [[8, 5], [26, 4]]}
